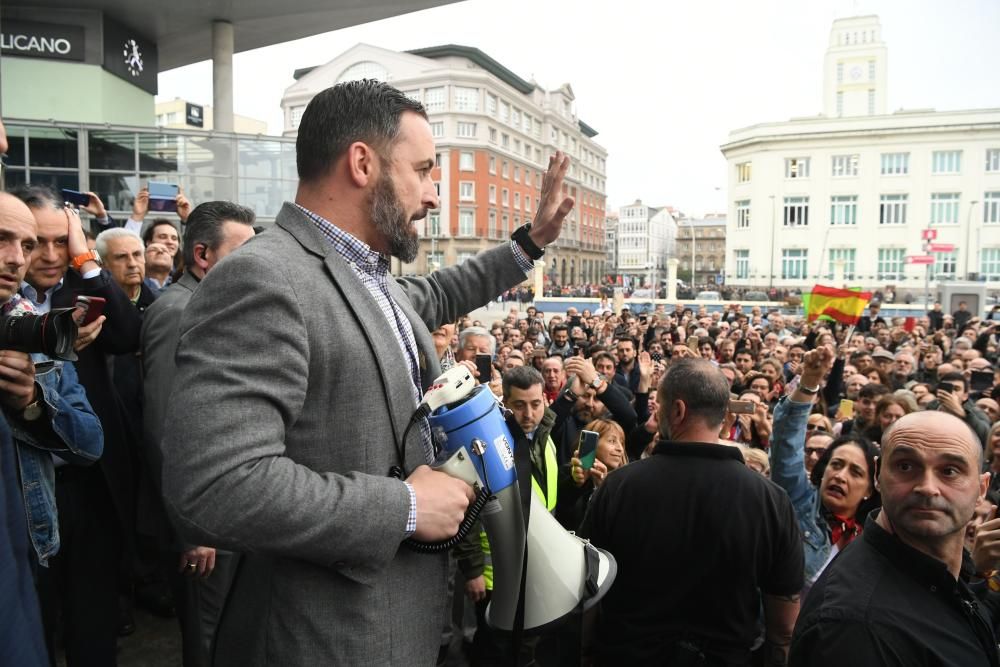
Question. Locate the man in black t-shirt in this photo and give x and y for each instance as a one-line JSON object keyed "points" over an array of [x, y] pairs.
{"points": [[698, 538]]}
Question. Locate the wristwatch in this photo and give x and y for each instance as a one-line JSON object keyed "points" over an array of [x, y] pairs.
{"points": [[78, 261], [812, 391], [530, 248], [570, 394], [597, 382]]}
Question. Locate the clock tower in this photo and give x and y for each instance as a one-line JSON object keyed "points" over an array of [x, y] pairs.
{"points": [[855, 70]]}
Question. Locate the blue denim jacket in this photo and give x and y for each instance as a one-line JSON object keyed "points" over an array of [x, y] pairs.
{"points": [[79, 439], [789, 472]]}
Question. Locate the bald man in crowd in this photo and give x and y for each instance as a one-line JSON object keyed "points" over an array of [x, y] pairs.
{"points": [[895, 596]]}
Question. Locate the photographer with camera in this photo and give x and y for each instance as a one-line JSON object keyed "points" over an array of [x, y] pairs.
{"points": [[98, 502], [50, 418]]}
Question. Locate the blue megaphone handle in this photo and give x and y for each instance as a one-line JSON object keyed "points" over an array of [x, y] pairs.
{"points": [[480, 418]]}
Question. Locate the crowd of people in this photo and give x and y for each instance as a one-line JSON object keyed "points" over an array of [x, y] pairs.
{"points": [[231, 445]]}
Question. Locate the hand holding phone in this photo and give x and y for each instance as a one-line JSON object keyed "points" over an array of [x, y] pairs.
{"points": [[587, 448], [94, 307], [484, 364], [846, 408], [75, 197], [742, 407]]}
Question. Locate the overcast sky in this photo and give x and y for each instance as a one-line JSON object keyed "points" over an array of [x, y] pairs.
{"points": [[663, 83]]}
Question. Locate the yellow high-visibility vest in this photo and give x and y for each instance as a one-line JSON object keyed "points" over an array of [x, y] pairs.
{"points": [[547, 496]]}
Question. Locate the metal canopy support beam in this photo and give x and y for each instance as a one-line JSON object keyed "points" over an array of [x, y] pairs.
{"points": [[222, 75]]}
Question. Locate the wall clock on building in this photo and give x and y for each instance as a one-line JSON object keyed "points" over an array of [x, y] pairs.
{"points": [[855, 72], [133, 57]]}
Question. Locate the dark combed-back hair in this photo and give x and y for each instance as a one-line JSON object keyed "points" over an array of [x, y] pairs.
{"points": [[700, 384], [521, 377], [147, 236], [205, 224], [364, 110], [37, 196]]}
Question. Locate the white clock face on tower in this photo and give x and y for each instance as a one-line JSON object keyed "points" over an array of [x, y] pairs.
{"points": [[133, 57], [855, 73]]}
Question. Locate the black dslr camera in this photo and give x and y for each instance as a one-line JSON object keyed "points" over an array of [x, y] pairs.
{"points": [[52, 333]]}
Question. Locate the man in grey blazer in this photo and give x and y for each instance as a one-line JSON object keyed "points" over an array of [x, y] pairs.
{"points": [[301, 361], [200, 576]]}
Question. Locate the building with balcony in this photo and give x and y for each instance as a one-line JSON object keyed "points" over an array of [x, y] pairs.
{"points": [[494, 133], [645, 237], [851, 192], [702, 243]]}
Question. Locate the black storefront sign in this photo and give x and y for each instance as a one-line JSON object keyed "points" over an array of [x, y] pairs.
{"points": [[53, 41], [195, 114], [130, 56]]}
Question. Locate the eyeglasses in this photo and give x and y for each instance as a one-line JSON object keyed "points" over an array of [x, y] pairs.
{"points": [[816, 427], [818, 451]]}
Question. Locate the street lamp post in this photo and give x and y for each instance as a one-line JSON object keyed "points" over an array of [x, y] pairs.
{"points": [[770, 267], [691, 227], [968, 235]]}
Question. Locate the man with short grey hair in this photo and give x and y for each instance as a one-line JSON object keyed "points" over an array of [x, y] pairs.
{"points": [[473, 341], [668, 606]]}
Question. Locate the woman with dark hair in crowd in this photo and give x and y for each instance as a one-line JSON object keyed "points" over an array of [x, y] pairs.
{"points": [[889, 408], [826, 502], [875, 375]]}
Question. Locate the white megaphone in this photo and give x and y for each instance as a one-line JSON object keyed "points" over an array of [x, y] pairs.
{"points": [[564, 574]]}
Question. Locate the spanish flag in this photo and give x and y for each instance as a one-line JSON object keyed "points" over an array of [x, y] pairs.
{"points": [[842, 305]]}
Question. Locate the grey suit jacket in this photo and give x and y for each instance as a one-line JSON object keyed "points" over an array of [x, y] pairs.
{"points": [[158, 342], [279, 445]]}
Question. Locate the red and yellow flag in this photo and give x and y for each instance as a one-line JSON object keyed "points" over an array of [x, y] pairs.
{"points": [[843, 305]]}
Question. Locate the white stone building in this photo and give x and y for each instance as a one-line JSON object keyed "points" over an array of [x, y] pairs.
{"points": [[645, 236], [855, 187], [494, 133]]}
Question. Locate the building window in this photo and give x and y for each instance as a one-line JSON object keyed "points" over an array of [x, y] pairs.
{"points": [[296, 115], [743, 214], [945, 265], [493, 165], [946, 162], [992, 159], [527, 203], [434, 99], [742, 264], [505, 197], [796, 211], [840, 72], [504, 111], [797, 167], [466, 223], [505, 226], [466, 99], [493, 194], [467, 130], [890, 263], [493, 135], [413, 94], [743, 172], [466, 191], [844, 165], [944, 208], [517, 174], [517, 200], [505, 140], [844, 210], [846, 255], [435, 260], [491, 104], [464, 255], [466, 161], [871, 70], [437, 130], [504, 169], [895, 164], [840, 103], [793, 263], [493, 224], [892, 209], [991, 207], [989, 263], [434, 224], [871, 102]]}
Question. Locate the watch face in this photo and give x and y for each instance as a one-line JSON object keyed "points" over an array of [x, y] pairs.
{"points": [[133, 57]]}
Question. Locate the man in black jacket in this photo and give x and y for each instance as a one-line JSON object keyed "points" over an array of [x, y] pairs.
{"points": [[85, 577]]}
